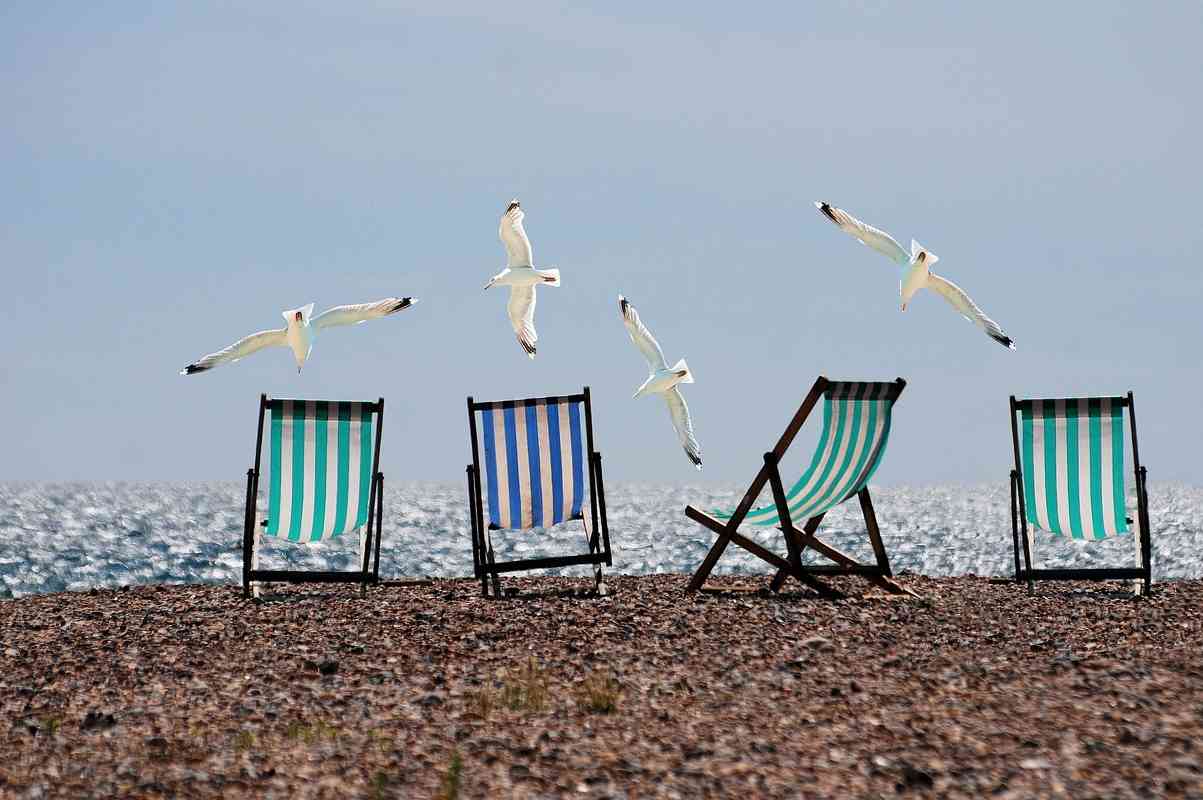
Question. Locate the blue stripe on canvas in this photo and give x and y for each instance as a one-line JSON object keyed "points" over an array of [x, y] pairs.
{"points": [[511, 463], [557, 461], [490, 444], [578, 467]]}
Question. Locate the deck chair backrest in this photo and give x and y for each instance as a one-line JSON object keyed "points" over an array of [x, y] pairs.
{"points": [[1072, 466], [856, 428], [322, 465], [534, 460]]}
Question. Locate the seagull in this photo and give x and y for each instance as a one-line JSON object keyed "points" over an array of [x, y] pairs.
{"points": [[299, 331], [662, 379], [521, 277], [917, 271]]}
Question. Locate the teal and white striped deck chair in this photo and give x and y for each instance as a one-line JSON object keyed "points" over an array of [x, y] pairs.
{"points": [[1069, 481], [856, 429], [324, 482]]}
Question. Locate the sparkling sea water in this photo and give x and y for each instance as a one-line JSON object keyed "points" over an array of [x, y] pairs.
{"points": [[70, 536]]}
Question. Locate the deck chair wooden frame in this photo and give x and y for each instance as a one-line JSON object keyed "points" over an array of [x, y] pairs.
{"points": [[369, 571], [1022, 536], [796, 540], [486, 568]]}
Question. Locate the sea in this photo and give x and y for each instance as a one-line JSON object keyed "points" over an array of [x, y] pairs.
{"points": [[58, 537]]}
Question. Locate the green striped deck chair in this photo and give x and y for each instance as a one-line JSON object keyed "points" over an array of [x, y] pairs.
{"points": [[324, 482], [855, 431], [533, 462], [1069, 481]]}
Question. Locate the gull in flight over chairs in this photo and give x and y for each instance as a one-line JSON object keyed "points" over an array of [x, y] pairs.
{"points": [[299, 331], [521, 277], [663, 379], [917, 272]]}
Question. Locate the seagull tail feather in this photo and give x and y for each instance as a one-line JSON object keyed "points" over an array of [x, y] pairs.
{"points": [[551, 277]]}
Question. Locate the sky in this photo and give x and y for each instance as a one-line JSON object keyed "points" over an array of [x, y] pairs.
{"points": [[176, 175]]}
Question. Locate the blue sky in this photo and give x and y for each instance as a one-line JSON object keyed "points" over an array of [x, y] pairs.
{"points": [[174, 175]]}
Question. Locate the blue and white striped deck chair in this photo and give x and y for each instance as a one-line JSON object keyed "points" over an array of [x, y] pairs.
{"points": [[856, 428], [324, 482], [533, 461], [1069, 481]]}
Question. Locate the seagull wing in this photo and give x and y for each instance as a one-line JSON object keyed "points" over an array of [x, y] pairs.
{"points": [[683, 425], [240, 349], [513, 236], [641, 336], [355, 314], [521, 309], [964, 304], [867, 235]]}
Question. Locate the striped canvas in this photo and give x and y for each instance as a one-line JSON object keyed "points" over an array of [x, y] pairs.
{"points": [[534, 463], [321, 468], [856, 427], [1072, 456]]}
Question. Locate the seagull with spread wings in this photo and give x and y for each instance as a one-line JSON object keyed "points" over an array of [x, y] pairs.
{"points": [[299, 331], [663, 379], [917, 272], [521, 277]]}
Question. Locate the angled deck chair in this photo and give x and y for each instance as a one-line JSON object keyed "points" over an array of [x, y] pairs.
{"points": [[536, 460], [856, 428], [324, 482], [1069, 481]]}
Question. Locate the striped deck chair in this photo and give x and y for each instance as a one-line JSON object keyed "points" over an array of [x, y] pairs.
{"points": [[538, 462], [324, 482], [856, 428], [1069, 481]]}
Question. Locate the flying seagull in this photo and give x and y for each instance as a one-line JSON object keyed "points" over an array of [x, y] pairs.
{"points": [[521, 277], [917, 272], [298, 333], [663, 380]]}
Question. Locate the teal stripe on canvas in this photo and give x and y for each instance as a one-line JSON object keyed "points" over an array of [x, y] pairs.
{"points": [[1049, 421], [298, 467], [1029, 465], [273, 503], [1095, 437], [1117, 467], [1071, 461], [365, 464], [841, 407], [858, 470], [767, 515], [344, 466], [320, 433]]}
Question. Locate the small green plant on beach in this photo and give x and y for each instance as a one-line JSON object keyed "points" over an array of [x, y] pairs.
{"points": [[243, 741], [310, 733], [598, 694], [50, 725], [526, 689], [482, 702], [449, 789], [378, 787]]}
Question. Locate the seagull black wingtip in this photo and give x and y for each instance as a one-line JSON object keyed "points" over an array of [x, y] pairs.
{"points": [[826, 209], [192, 369]]}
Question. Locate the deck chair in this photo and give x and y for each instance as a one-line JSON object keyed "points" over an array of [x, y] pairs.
{"points": [[1068, 480], [856, 427], [324, 482], [536, 456]]}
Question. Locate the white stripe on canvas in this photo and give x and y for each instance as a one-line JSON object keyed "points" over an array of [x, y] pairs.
{"points": [[1086, 512], [838, 477], [548, 509], [1107, 473], [285, 469], [840, 451], [353, 467], [566, 458], [1038, 445], [503, 472], [331, 468], [1062, 456], [523, 465], [310, 471]]}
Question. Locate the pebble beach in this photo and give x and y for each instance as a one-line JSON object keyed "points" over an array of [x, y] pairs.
{"points": [[976, 688]]}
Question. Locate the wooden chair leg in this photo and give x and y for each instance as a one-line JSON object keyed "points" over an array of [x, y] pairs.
{"points": [[811, 526]]}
